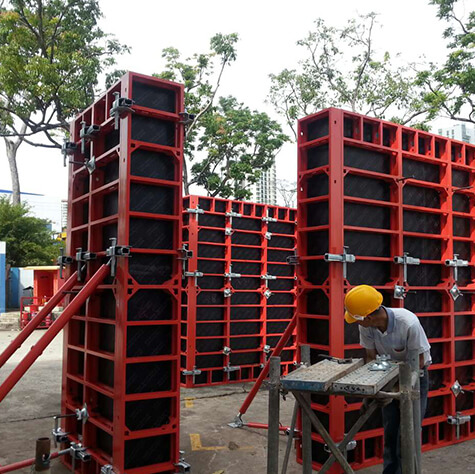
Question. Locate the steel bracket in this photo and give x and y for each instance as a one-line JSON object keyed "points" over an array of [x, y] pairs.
{"points": [[406, 260], [456, 263], [349, 446], [107, 469], [184, 255], [68, 149], [458, 420], [182, 465], [90, 164], [82, 414], [87, 132], [120, 107], [62, 261], [343, 258], [115, 251], [83, 257], [237, 422], [59, 436]]}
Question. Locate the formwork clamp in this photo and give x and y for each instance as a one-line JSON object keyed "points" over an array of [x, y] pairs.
{"points": [[85, 257], [195, 211], [184, 254], [62, 261], [343, 258], [293, 259], [456, 263], [268, 235], [107, 469], [458, 420], [120, 107], [194, 275], [406, 260], [268, 277], [268, 293], [182, 465], [232, 275], [228, 231], [67, 149], [228, 292], [116, 251], [87, 133], [192, 373], [269, 219], [233, 214]]}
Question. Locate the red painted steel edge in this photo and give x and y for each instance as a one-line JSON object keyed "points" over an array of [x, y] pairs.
{"points": [[53, 331], [36, 321], [276, 352]]}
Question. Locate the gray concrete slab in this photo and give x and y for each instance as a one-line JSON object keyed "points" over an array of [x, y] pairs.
{"points": [[210, 445]]}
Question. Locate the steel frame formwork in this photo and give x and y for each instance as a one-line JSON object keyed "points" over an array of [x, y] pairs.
{"points": [[389, 206], [121, 350], [239, 289]]}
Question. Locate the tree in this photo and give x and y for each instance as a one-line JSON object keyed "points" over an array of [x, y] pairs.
{"points": [[287, 190], [451, 87], [201, 82], [51, 53], [343, 69], [239, 144], [28, 239]]}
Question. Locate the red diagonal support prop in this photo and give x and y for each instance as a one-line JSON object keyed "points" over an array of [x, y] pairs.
{"points": [[37, 320], [276, 352], [53, 331]]}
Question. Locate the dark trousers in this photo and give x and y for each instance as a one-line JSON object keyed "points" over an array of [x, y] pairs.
{"points": [[391, 424]]}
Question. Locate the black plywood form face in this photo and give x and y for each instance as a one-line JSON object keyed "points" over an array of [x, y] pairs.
{"points": [[367, 188], [150, 305], [364, 215], [317, 129], [149, 269], [420, 170], [153, 97], [421, 196], [152, 199], [145, 377], [147, 451], [317, 156], [148, 414], [152, 164], [369, 160], [151, 234], [317, 185], [152, 130]]}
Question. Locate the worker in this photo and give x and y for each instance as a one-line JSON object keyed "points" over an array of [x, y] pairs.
{"points": [[393, 332]]}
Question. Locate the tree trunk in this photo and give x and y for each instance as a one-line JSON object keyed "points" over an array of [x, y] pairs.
{"points": [[12, 148]]}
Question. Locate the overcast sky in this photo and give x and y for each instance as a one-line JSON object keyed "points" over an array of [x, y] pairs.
{"points": [[268, 32]]}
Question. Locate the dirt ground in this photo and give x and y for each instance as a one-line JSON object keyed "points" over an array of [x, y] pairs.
{"points": [[211, 446]]}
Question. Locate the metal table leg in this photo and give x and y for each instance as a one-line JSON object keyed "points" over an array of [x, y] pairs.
{"points": [[306, 425], [290, 441], [323, 433], [274, 416]]}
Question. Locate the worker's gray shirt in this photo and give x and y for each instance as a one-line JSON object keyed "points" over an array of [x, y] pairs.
{"points": [[404, 333]]}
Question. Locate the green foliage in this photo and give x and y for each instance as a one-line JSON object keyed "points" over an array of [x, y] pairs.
{"points": [[451, 87], [239, 145], [51, 53], [28, 240], [343, 69], [227, 145]]}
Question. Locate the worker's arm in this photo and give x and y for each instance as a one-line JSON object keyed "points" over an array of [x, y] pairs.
{"points": [[421, 361], [370, 355]]}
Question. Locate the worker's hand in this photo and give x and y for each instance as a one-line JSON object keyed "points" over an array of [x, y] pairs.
{"points": [[383, 402], [365, 405]]}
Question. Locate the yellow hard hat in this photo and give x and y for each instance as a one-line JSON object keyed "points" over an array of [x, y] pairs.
{"points": [[361, 301]]}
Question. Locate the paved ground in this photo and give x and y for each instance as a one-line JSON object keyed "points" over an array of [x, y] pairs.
{"points": [[211, 446]]}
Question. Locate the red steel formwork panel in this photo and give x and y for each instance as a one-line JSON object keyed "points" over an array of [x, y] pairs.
{"points": [[241, 300], [383, 191], [121, 351]]}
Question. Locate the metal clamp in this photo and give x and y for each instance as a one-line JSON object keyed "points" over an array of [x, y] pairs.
{"points": [[381, 364], [268, 235], [231, 368], [228, 231], [226, 350], [182, 465], [456, 263], [458, 420], [406, 260], [237, 422], [60, 436], [78, 453], [68, 149], [62, 261], [186, 118], [193, 373], [233, 214], [120, 107], [228, 292], [83, 257], [194, 275], [87, 132], [349, 446], [115, 251], [343, 258], [266, 349], [107, 469], [293, 259], [231, 275], [268, 277], [90, 164], [184, 255], [399, 292], [268, 293], [268, 219]]}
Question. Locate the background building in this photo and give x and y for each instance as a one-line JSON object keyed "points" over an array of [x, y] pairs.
{"points": [[265, 190], [459, 131]]}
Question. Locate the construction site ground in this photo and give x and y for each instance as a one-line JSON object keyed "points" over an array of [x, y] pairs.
{"points": [[211, 446]]}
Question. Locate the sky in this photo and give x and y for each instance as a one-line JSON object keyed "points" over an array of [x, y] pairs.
{"points": [[268, 32]]}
